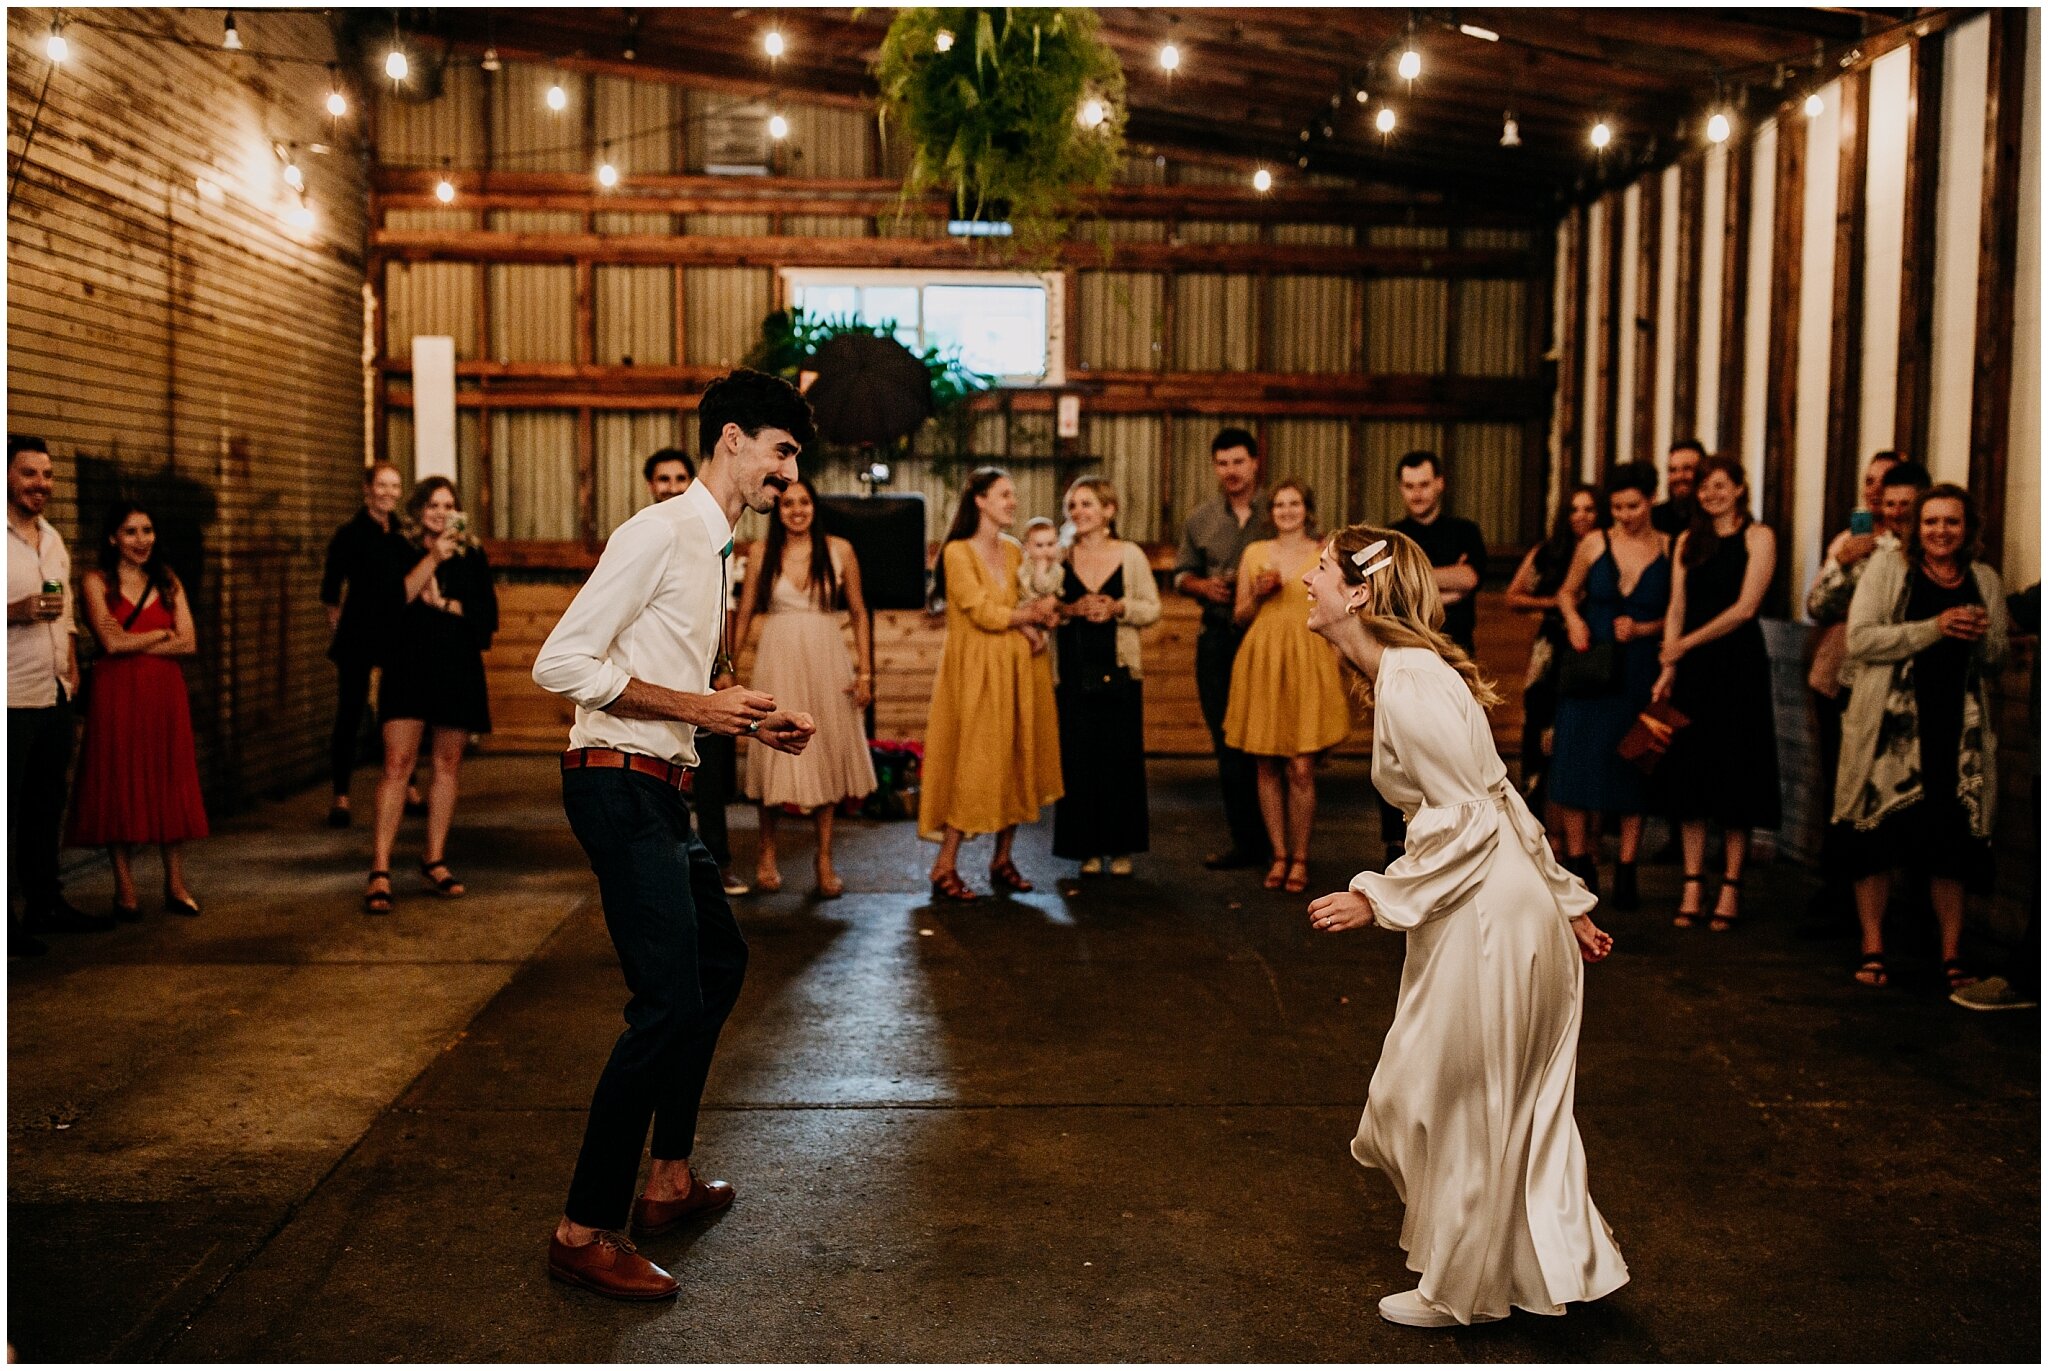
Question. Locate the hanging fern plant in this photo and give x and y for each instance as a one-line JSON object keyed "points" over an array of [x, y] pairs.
{"points": [[1016, 113]]}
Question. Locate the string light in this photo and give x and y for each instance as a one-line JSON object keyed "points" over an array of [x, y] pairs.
{"points": [[607, 174], [1364, 95], [944, 42], [1814, 105], [491, 62], [1602, 135], [337, 103], [1092, 114], [395, 65], [1262, 180], [772, 43], [558, 99], [1718, 128], [230, 39], [444, 191], [1384, 120], [293, 177], [778, 127], [1411, 65], [55, 47], [1510, 131], [1474, 31], [1169, 58]]}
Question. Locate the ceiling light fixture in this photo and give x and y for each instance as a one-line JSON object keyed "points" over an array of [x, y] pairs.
{"points": [[1092, 114], [1510, 131], [772, 43], [1262, 180], [55, 47], [395, 65], [778, 127], [1602, 135], [1411, 65], [1474, 31], [944, 41], [491, 62], [558, 99], [1815, 105], [230, 39], [1718, 128], [1384, 120], [444, 191], [1169, 58], [607, 175]]}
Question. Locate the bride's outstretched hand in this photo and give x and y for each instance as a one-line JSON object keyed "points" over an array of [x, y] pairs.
{"points": [[1335, 913], [1593, 944]]}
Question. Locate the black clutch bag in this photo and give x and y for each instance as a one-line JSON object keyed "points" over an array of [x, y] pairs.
{"points": [[1589, 674]]}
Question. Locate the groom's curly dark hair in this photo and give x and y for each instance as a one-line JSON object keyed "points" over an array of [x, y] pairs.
{"points": [[754, 400]]}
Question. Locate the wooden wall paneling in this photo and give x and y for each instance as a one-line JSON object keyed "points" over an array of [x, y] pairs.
{"points": [[1916, 279], [681, 320], [1734, 295], [1571, 346], [1782, 393], [1998, 249], [1611, 424], [1649, 239], [1845, 344], [1536, 365], [1692, 189]]}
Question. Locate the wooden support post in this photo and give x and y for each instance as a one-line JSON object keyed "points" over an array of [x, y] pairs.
{"points": [[1536, 319], [1916, 281], [1606, 437], [1841, 483], [1734, 298], [1649, 256], [1685, 323], [586, 478], [1782, 370], [1998, 248], [1571, 358]]}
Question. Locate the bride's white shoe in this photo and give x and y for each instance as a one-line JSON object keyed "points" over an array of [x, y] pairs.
{"points": [[1411, 1309]]}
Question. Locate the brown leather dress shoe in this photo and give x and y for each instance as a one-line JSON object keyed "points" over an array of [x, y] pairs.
{"points": [[654, 1217], [611, 1266]]}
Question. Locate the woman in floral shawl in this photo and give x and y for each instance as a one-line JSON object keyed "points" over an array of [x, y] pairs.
{"points": [[1916, 783]]}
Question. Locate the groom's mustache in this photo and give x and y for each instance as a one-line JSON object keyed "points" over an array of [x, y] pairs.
{"points": [[778, 484]]}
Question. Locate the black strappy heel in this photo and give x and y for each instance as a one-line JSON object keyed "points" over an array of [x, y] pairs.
{"points": [[378, 901], [445, 885], [1686, 919], [1721, 923]]}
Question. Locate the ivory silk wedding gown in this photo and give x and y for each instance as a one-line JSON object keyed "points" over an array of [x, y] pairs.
{"points": [[1470, 1108]]}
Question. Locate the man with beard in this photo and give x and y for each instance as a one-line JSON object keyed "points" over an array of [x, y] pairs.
{"points": [[637, 651], [1681, 470]]}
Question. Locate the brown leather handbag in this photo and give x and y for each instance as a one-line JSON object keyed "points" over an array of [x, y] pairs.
{"points": [[1649, 737]]}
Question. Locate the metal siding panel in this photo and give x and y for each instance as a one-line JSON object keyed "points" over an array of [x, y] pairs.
{"points": [[533, 473], [1311, 451], [635, 315], [533, 313], [723, 308], [623, 443], [528, 136], [1486, 484], [1128, 448], [1312, 323], [1490, 328], [828, 142], [1404, 325], [1383, 444], [1119, 320], [637, 123], [447, 131], [1212, 322]]}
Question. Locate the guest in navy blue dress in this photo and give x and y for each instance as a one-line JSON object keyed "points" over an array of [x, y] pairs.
{"points": [[1613, 602]]}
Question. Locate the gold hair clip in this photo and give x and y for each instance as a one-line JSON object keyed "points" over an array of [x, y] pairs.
{"points": [[1366, 554]]}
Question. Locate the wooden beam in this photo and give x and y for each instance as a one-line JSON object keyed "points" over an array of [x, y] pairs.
{"points": [[1997, 250], [586, 476], [1685, 322], [1782, 371], [1649, 256], [1608, 437], [706, 250], [1571, 358], [1734, 298], [1841, 482], [1916, 280], [1536, 322]]}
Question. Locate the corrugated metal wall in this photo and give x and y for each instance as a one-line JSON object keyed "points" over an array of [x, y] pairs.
{"points": [[172, 339], [1122, 316]]}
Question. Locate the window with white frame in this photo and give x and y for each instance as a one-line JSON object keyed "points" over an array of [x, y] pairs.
{"points": [[1005, 324]]}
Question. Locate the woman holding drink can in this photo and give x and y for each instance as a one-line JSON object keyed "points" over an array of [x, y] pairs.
{"points": [[433, 679]]}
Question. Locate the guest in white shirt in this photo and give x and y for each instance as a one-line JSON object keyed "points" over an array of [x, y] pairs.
{"points": [[42, 683], [637, 651]]}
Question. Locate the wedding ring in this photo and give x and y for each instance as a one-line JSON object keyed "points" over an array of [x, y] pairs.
{"points": [[754, 727]]}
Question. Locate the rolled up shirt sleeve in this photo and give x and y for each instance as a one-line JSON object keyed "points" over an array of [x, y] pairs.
{"points": [[575, 661]]}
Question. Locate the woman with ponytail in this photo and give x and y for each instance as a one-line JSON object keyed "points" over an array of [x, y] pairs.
{"points": [[1470, 1108]]}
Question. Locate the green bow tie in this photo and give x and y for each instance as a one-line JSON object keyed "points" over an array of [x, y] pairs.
{"points": [[726, 551]]}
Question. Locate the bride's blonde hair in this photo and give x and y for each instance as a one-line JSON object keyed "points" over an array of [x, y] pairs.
{"points": [[1402, 607]]}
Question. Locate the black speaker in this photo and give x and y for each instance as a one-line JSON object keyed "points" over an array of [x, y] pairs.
{"points": [[887, 533]]}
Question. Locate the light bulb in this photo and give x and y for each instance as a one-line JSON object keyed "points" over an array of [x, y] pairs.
{"points": [[1474, 31], [1262, 180], [773, 43], [337, 103], [230, 39], [1411, 65], [558, 99], [1814, 105], [1510, 132], [1384, 120], [56, 48], [444, 191], [1092, 113], [395, 65], [491, 62], [1169, 57], [1602, 135], [300, 217], [293, 177], [944, 42], [1717, 129], [1364, 95], [778, 127], [607, 175]]}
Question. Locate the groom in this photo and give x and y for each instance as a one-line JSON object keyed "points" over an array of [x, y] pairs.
{"points": [[637, 651]]}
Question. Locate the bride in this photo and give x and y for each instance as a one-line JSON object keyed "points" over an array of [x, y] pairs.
{"points": [[1470, 1109]]}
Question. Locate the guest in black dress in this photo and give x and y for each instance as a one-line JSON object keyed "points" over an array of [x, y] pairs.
{"points": [[1724, 767], [1107, 595], [1534, 591], [1917, 785], [433, 678], [359, 609]]}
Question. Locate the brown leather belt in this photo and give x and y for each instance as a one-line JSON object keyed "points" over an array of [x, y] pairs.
{"points": [[578, 758]]}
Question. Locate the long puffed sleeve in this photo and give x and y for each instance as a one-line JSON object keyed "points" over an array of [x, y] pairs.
{"points": [[1438, 737], [967, 589], [572, 662], [1141, 592]]}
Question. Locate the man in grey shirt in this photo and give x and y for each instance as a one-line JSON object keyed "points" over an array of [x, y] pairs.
{"points": [[1211, 541]]}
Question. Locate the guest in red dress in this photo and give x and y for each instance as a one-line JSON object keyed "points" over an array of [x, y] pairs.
{"points": [[138, 781]]}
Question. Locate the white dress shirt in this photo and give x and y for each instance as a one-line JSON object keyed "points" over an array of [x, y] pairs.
{"points": [[651, 611], [37, 653]]}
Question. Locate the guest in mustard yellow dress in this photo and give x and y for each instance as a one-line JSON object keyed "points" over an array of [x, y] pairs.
{"points": [[992, 746], [1287, 700]]}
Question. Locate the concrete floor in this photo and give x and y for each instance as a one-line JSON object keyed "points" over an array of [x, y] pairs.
{"points": [[1099, 1127]]}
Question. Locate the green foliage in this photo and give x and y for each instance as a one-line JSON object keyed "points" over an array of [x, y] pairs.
{"points": [[790, 339], [995, 120]]}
